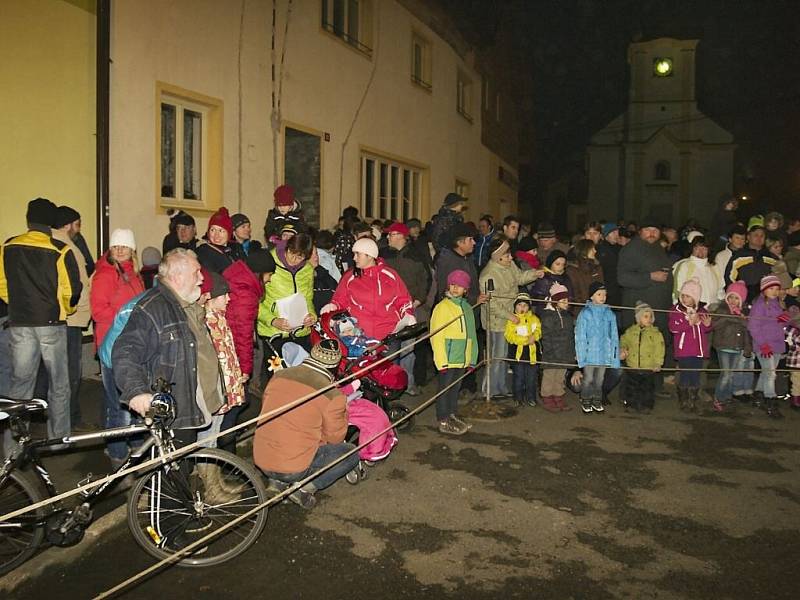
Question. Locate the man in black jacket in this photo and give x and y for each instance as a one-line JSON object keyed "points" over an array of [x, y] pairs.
{"points": [[166, 337], [39, 281]]}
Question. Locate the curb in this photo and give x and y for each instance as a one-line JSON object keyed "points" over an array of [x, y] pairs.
{"points": [[57, 556]]}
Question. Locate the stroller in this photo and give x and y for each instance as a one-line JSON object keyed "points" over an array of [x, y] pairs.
{"points": [[382, 384]]}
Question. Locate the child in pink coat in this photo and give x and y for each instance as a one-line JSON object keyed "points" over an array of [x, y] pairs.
{"points": [[690, 324]]}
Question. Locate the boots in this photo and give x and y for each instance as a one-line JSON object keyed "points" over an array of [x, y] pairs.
{"points": [[549, 404], [795, 403], [216, 489], [560, 403], [693, 400], [772, 408], [758, 400], [683, 402]]}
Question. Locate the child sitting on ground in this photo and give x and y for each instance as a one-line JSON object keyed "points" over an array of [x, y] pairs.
{"points": [[558, 346], [522, 337], [596, 346], [455, 349], [734, 346], [642, 349], [690, 325]]}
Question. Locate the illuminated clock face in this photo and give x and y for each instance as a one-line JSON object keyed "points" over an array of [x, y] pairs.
{"points": [[662, 67]]}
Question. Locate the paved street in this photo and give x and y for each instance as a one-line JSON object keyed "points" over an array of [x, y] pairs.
{"points": [[538, 506]]}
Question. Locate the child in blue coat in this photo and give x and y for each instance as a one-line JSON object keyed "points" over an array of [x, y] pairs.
{"points": [[596, 346]]}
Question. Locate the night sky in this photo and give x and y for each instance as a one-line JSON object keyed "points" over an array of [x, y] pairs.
{"points": [[575, 51]]}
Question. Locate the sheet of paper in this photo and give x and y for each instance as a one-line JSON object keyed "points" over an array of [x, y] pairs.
{"points": [[293, 308], [522, 330]]}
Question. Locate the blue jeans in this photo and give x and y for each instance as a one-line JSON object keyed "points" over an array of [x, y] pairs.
{"points": [[689, 378], [497, 369], [74, 352], [5, 360], [592, 382], [207, 432], [29, 346], [766, 380], [326, 454], [524, 381], [408, 360], [730, 381]]}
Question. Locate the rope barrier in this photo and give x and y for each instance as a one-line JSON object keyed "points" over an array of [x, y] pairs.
{"points": [[619, 307], [272, 501], [661, 370], [178, 452]]}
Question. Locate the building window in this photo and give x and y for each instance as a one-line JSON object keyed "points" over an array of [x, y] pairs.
{"points": [[462, 188], [390, 189], [662, 171], [421, 62], [189, 133], [350, 21], [464, 95]]}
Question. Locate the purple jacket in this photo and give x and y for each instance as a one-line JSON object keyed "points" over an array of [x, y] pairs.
{"points": [[764, 325], [688, 340]]}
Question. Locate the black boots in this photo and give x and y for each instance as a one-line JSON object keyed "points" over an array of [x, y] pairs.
{"points": [[688, 399], [758, 400], [771, 406]]}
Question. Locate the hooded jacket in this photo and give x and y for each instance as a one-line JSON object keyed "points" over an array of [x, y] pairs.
{"points": [[688, 340], [455, 346], [378, 298], [558, 336], [481, 252], [540, 288], [750, 266], [245, 294], [113, 285], [711, 284], [284, 283], [645, 346], [507, 281], [596, 336], [730, 331], [275, 221], [764, 326], [518, 346]]}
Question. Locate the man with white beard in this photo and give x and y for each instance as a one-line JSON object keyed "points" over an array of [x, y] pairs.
{"points": [[166, 337]]}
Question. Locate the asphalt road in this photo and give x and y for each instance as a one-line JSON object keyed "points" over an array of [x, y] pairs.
{"points": [[537, 506]]}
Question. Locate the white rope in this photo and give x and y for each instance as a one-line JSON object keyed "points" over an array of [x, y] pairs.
{"points": [[274, 500], [626, 368]]}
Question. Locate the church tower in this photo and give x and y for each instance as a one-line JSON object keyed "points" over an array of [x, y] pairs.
{"points": [[662, 156]]}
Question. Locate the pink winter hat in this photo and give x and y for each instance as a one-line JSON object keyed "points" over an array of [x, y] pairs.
{"points": [[558, 291], [459, 277], [693, 289], [737, 288], [769, 281]]}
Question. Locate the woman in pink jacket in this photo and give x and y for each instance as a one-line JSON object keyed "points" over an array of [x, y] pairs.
{"points": [[373, 293], [690, 325]]}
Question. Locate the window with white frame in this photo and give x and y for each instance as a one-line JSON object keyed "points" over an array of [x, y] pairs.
{"points": [[421, 61], [189, 135], [390, 189], [464, 95], [351, 21]]}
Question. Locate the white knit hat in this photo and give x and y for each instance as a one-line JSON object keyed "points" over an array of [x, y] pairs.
{"points": [[123, 237], [366, 246]]}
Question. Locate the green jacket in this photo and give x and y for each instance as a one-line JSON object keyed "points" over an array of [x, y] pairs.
{"points": [[282, 284], [645, 346], [455, 346]]}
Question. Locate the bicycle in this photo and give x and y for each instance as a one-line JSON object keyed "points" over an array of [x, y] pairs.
{"points": [[174, 503]]}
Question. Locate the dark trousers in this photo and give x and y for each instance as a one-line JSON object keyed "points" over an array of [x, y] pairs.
{"points": [[639, 389], [325, 455], [689, 378], [74, 351], [470, 383], [524, 380], [447, 403], [228, 442]]}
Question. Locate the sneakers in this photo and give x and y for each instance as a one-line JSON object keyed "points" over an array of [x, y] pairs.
{"points": [[460, 421], [597, 405], [586, 405], [450, 427], [300, 497]]}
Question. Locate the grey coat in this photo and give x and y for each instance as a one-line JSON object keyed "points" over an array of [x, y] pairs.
{"points": [[636, 261]]}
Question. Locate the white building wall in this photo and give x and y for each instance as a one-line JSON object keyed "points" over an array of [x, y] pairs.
{"points": [[194, 44]]}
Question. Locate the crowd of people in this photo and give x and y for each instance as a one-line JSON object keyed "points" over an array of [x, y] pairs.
{"points": [[617, 302]]}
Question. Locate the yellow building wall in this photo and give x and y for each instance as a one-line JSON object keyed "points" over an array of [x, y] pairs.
{"points": [[47, 94]]}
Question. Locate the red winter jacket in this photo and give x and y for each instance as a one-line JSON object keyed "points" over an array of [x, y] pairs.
{"points": [[111, 289], [245, 294], [378, 299]]}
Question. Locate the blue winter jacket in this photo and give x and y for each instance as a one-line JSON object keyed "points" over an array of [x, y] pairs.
{"points": [[596, 336], [480, 254], [120, 320]]}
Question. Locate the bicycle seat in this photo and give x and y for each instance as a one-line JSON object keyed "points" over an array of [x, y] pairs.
{"points": [[13, 408]]}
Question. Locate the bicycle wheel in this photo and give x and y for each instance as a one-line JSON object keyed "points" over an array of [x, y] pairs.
{"points": [[22, 535], [185, 500]]}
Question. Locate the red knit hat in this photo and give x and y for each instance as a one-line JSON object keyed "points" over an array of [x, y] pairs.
{"points": [[398, 228], [284, 195], [221, 218]]}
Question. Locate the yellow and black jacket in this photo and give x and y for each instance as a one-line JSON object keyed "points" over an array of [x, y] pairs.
{"points": [[39, 279]]}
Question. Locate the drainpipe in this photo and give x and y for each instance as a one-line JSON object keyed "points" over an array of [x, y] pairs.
{"points": [[102, 77]]}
